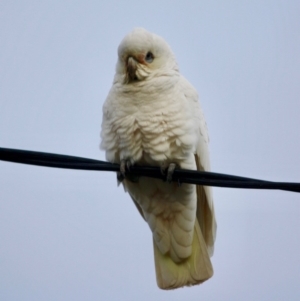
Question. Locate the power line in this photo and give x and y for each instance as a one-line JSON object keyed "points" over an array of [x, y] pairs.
{"points": [[179, 175]]}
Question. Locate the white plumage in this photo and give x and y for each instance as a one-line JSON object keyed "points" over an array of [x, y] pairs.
{"points": [[152, 117]]}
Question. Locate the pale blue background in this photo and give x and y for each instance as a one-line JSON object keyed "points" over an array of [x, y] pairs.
{"points": [[73, 235]]}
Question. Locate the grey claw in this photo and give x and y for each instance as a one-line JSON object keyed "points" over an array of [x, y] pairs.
{"points": [[128, 165], [163, 168], [170, 172], [123, 167], [120, 177]]}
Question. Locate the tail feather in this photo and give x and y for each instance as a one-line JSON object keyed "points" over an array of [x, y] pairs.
{"points": [[193, 270]]}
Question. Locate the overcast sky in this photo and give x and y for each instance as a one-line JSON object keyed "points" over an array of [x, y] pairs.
{"points": [[75, 235]]}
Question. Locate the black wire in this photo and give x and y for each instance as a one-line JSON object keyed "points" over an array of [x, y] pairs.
{"points": [[180, 175]]}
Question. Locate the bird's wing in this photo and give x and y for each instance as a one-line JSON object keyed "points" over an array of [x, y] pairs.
{"points": [[205, 208]]}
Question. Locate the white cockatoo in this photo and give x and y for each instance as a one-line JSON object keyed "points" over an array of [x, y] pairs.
{"points": [[152, 117]]}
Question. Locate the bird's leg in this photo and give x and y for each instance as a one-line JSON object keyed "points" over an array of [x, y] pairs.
{"points": [[163, 168], [125, 165], [169, 170], [121, 173]]}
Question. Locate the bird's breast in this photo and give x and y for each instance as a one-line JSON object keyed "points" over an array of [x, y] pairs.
{"points": [[154, 136]]}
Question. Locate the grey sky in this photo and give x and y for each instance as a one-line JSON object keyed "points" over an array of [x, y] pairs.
{"points": [[75, 235]]}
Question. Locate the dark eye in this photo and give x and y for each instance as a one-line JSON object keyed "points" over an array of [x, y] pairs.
{"points": [[149, 57]]}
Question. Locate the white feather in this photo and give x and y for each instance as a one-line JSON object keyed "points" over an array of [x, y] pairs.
{"points": [[156, 119]]}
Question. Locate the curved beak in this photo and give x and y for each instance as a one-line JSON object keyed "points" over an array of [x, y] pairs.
{"points": [[131, 68]]}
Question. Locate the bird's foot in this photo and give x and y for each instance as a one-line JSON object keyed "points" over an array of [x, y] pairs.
{"points": [[168, 170], [125, 166]]}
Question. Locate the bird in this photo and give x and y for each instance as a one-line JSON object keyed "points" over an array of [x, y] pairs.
{"points": [[152, 116]]}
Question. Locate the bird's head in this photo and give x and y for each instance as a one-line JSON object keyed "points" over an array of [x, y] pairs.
{"points": [[142, 54]]}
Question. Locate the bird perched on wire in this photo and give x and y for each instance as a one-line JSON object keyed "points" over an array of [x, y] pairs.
{"points": [[152, 117]]}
